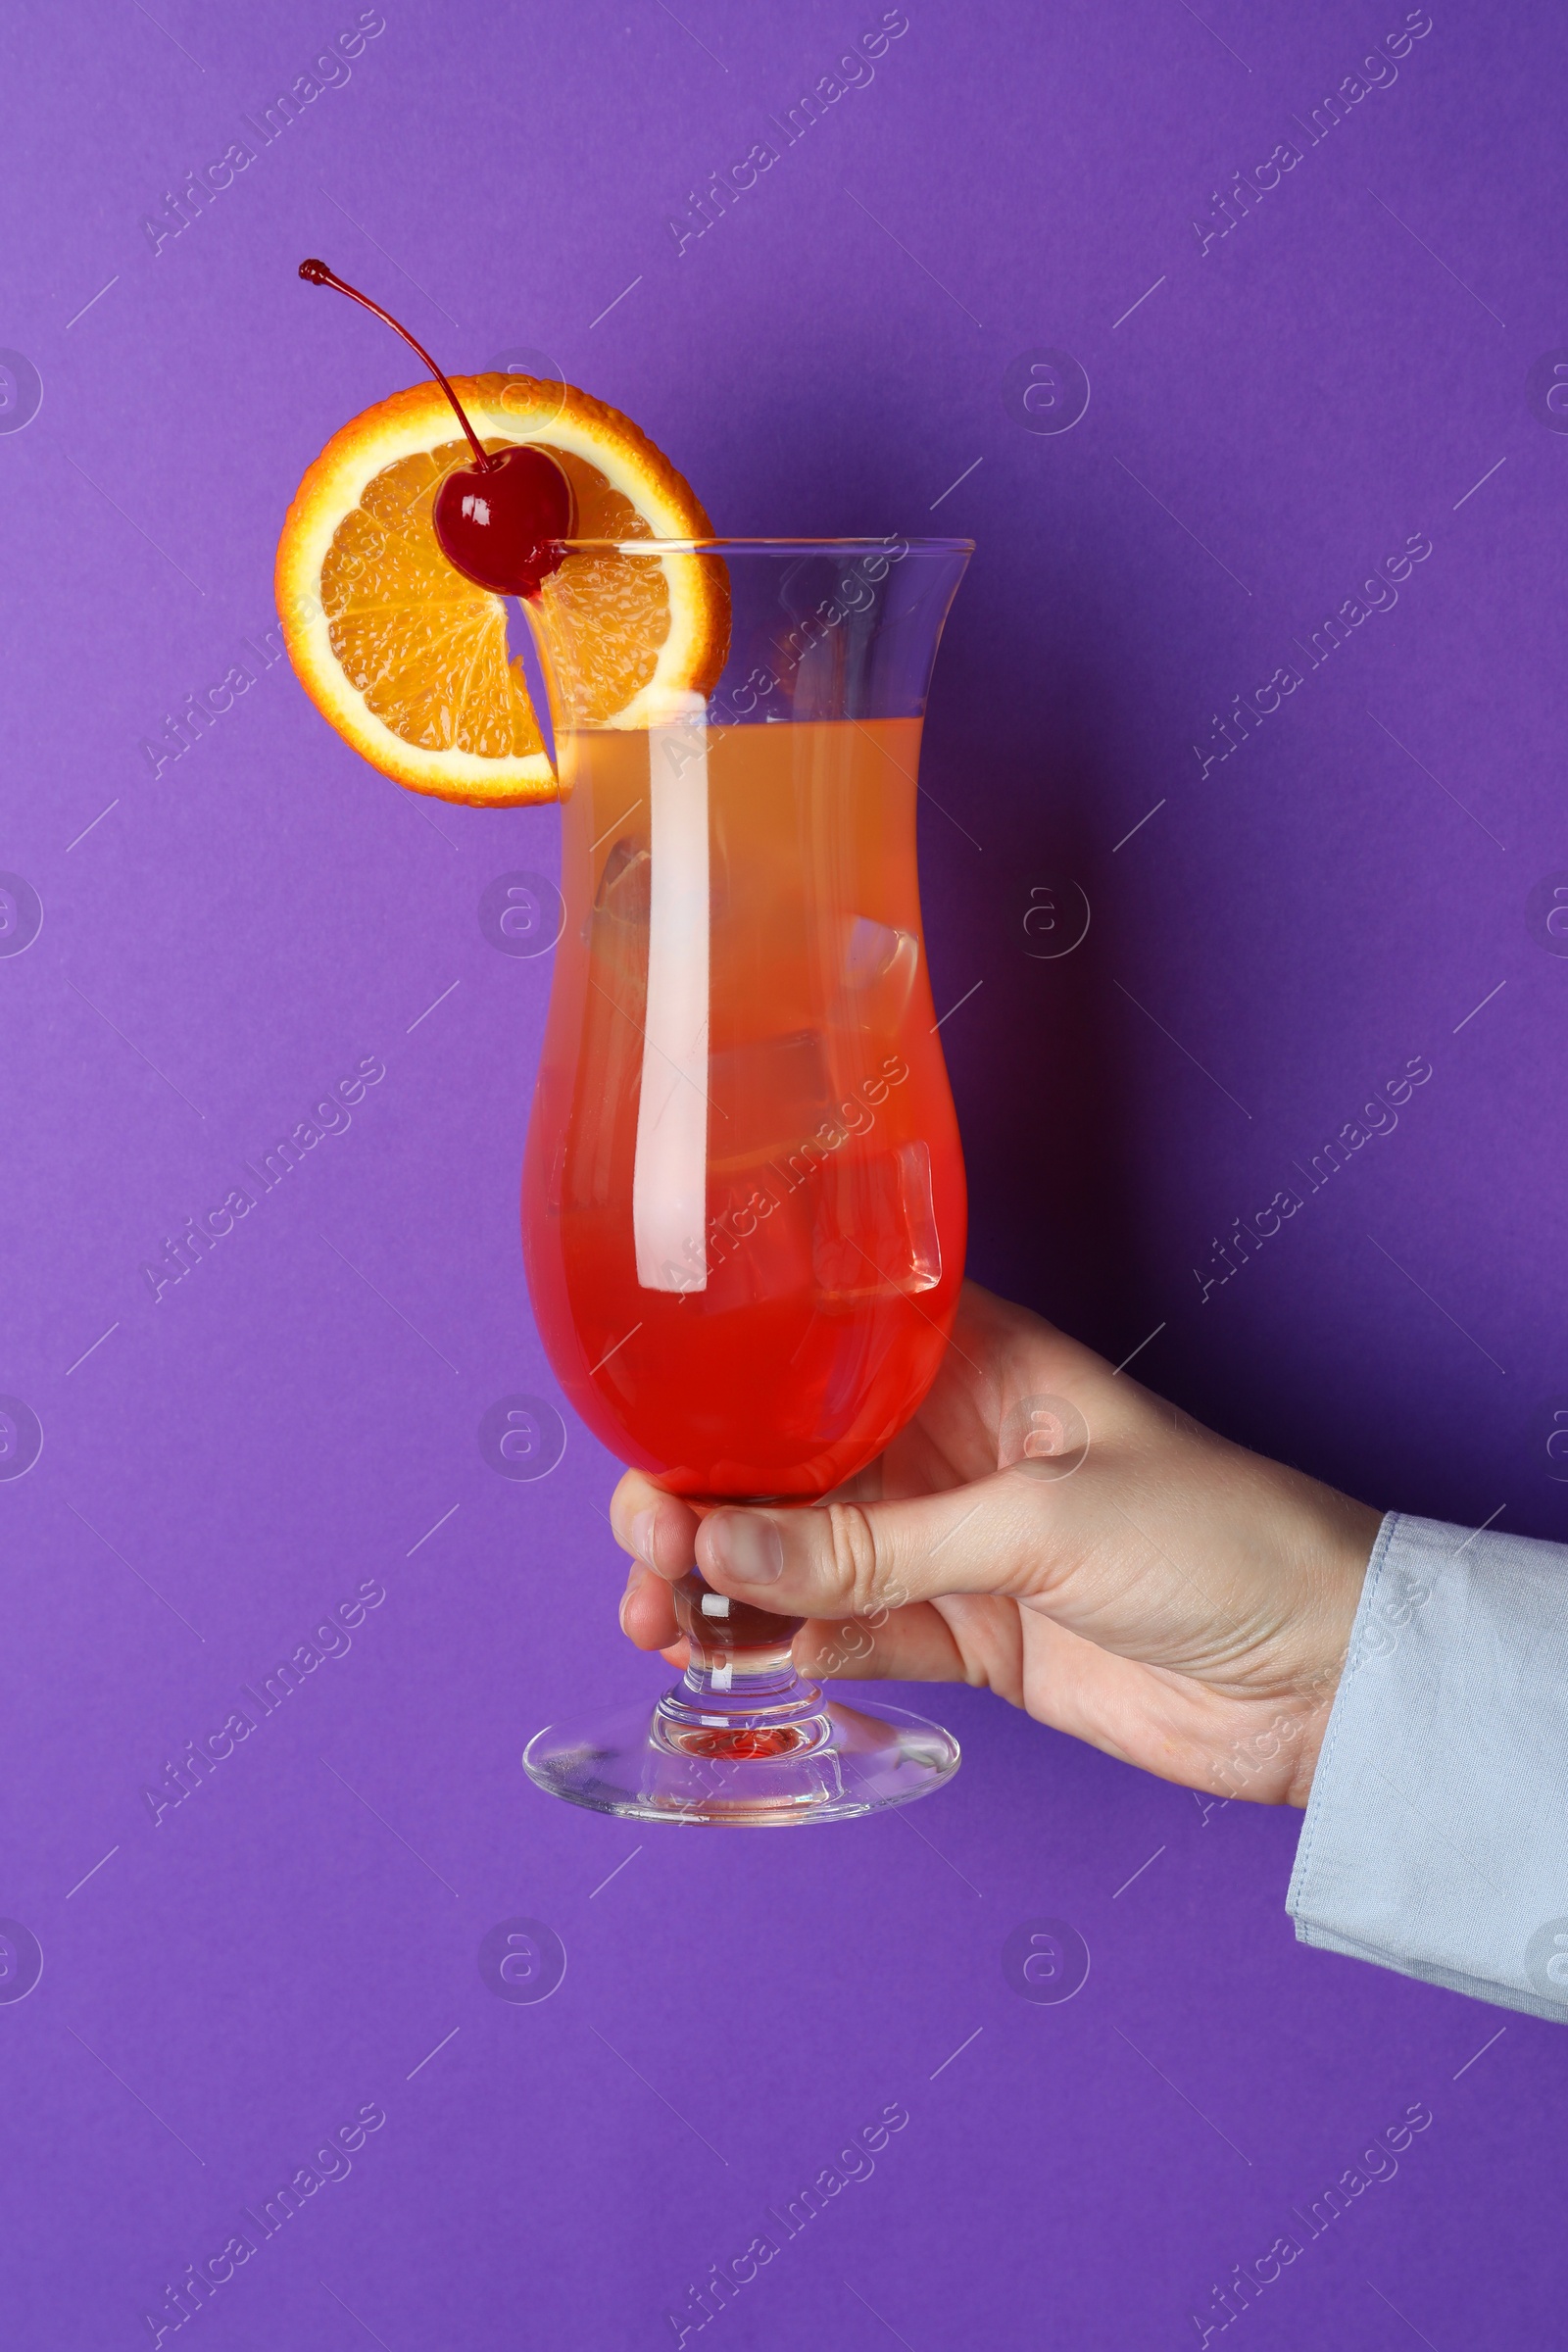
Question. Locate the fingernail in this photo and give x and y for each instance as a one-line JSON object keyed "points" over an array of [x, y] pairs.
{"points": [[634, 1585], [641, 1536], [747, 1547]]}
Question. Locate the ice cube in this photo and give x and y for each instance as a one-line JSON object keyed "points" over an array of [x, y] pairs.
{"points": [[874, 1225], [876, 972]]}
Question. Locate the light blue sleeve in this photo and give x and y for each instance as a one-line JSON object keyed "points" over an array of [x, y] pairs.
{"points": [[1436, 1838]]}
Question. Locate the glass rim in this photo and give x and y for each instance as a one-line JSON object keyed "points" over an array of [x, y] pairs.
{"points": [[839, 548]]}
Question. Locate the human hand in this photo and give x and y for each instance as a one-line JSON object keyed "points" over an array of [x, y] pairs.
{"points": [[1128, 1576]]}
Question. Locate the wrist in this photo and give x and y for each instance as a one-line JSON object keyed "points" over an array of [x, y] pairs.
{"points": [[1303, 1768], [1348, 1533]]}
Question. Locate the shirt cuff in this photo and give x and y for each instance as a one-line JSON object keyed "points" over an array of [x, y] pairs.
{"points": [[1436, 1838]]}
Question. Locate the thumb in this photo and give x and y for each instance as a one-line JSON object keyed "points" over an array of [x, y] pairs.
{"points": [[849, 1559]]}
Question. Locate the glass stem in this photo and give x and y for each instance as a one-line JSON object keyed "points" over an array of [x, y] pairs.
{"points": [[742, 1667]]}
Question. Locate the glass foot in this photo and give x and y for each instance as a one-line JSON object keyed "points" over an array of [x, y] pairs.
{"points": [[818, 1760], [743, 1738]]}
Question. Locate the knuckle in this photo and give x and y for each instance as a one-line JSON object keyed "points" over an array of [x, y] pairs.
{"points": [[854, 1556]]}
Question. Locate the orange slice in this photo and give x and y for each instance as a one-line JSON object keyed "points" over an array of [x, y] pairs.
{"points": [[408, 661]]}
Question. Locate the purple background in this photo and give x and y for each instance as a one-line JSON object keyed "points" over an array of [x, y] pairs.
{"points": [[233, 935]]}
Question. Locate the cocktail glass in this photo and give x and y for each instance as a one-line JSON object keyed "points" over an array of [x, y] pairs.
{"points": [[744, 1209]]}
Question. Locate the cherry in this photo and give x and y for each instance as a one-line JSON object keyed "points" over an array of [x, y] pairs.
{"points": [[501, 523], [500, 520]]}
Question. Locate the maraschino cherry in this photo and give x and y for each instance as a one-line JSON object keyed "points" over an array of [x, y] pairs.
{"points": [[500, 520]]}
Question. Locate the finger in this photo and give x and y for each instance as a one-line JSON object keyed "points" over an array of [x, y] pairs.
{"points": [[909, 1646], [866, 1486], [647, 1610], [656, 1528], [851, 1558], [1000, 1359], [964, 1638], [1124, 1708]]}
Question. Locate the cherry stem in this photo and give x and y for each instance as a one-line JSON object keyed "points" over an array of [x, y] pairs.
{"points": [[317, 273]]}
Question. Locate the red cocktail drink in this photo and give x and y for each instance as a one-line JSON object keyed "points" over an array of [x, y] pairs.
{"points": [[791, 1324]]}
